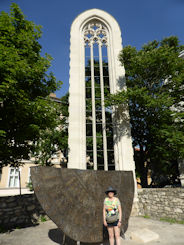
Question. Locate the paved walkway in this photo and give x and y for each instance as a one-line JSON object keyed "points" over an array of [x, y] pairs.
{"points": [[47, 233]]}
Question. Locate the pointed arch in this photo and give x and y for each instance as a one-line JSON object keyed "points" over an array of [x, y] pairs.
{"points": [[123, 152]]}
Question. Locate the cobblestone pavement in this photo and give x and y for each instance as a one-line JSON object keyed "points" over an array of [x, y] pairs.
{"points": [[47, 233]]}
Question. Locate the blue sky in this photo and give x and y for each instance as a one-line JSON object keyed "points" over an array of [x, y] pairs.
{"points": [[140, 21]]}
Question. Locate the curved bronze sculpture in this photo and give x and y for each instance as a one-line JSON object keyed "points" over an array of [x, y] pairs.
{"points": [[73, 198]]}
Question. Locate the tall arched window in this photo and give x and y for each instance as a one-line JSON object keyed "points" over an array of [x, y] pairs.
{"points": [[99, 138], [99, 129]]}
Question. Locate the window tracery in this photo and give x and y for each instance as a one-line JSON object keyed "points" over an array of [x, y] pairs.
{"points": [[95, 32], [99, 132]]}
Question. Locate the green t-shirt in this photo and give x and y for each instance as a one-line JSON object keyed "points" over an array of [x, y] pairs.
{"points": [[111, 206]]}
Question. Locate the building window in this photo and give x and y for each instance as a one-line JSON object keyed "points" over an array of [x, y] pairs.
{"points": [[13, 177], [99, 133]]}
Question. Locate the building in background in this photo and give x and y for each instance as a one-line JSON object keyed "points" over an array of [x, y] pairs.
{"points": [[9, 176]]}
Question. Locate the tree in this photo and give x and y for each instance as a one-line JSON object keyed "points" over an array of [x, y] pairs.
{"points": [[25, 85], [54, 140], [154, 78]]}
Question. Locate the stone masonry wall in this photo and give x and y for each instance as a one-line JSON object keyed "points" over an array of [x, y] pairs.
{"points": [[18, 211], [25, 210], [162, 202]]}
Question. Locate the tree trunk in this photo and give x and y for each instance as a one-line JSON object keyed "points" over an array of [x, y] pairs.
{"points": [[143, 168]]}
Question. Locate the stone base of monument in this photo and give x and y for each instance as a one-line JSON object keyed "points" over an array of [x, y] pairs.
{"points": [[143, 235]]}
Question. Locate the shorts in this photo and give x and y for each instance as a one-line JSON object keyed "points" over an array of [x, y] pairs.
{"points": [[113, 224]]}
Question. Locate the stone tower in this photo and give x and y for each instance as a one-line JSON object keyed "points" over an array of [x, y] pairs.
{"points": [[99, 137]]}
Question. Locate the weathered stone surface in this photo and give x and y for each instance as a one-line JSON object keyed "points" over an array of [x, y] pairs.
{"points": [[73, 198], [12, 204], [144, 235], [16, 210], [3, 205], [13, 219], [162, 202], [32, 207], [178, 210]]}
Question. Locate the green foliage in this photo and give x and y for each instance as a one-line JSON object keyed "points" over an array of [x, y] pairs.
{"points": [[154, 78], [29, 185], [146, 216], [52, 140], [43, 218], [172, 221], [98, 108], [25, 84]]}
